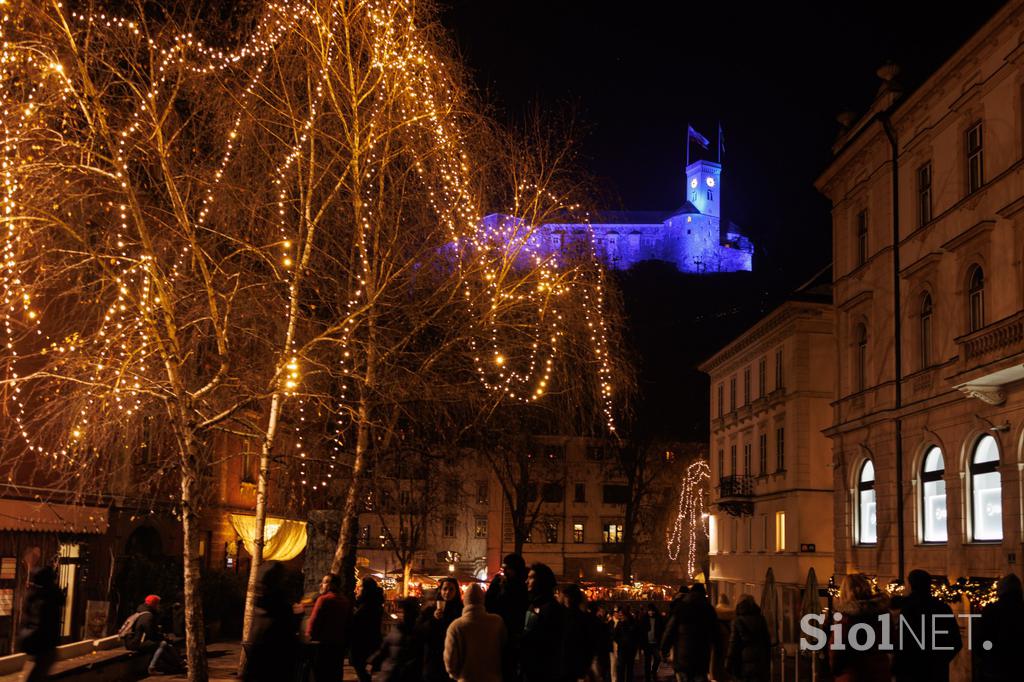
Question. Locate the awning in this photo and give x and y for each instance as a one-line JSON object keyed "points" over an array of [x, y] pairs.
{"points": [[49, 517], [283, 539]]}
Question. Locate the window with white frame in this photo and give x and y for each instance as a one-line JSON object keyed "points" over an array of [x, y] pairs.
{"points": [[933, 497], [867, 514], [924, 194], [976, 299], [986, 491], [975, 158], [925, 332]]}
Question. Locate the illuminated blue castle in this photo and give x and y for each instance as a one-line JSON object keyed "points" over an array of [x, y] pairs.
{"points": [[691, 237]]}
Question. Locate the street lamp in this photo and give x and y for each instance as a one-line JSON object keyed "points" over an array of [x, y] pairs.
{"points": [[600, 568]]}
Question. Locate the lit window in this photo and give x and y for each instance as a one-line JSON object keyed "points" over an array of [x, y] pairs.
{"points": [[551, 532], [976, 299], [480, 527], [926, 331], [986, 491], [577, 532], [867, 516], [933, 496], [780, 531], [612, 533], [712, 535]]}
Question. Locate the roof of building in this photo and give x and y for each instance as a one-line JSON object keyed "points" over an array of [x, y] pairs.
{"points": [[631, 217]]}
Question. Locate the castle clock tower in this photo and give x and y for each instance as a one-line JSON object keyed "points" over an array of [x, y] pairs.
{"points": [[704, 187]]}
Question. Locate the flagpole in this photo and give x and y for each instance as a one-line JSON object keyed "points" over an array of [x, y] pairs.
{"points": [[719, 143]]}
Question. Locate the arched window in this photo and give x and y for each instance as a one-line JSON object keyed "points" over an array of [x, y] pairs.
{"points": [[976, 298], [860, 358], [867, 517], [986, 491], [933, 496], [926, 331]]}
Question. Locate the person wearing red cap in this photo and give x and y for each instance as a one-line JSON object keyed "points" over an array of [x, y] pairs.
{"points": [[145, 635]]}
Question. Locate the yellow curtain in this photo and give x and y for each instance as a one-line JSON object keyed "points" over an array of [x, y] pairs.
{"points": [[283, 539]]}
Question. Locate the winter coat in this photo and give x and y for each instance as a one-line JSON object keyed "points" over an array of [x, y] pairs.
{"points": [[400, 658], [432, 633], [547, 653], [645, 629], [628, 637], [508, 599], [691, 635], [1001, 623], [850, 665], [473, 646], [273, 644], [366, 629], [330, 622], [146, 628], [913, 662], [40, 619], [749, 654], [719, 669]]}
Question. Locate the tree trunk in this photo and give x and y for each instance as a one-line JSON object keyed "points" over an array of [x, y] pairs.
{"points": [[195, 635], [262, 484], [629, 527], [406, 578]]}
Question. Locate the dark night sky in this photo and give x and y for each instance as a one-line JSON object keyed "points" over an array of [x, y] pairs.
{"points": [[775, 75]]}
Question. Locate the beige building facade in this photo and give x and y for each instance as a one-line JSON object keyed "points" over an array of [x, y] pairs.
{"points": [[771, 475]]}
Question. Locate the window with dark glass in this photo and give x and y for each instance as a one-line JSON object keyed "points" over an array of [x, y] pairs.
{"points": [[780, 448], [926, 331], [746, 458], [976, 298], [860, 358], [867, 514], [732, 460], [721, 400], [862, 237], [986, 491], [746, 386], [580, 492], [924, 194], [732, 394], [721, 464], [614, 493], [975, 159], [481, 492], [448, 529], [933, 497], [778, 369], [762, 377], [762, 453], [553, 492], [551, 532], [248, 467]]}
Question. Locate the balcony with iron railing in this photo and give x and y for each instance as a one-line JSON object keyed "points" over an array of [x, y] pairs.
{"points": [[736, 495]]}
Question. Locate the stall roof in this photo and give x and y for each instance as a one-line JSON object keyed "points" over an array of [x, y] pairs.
{"points": [[50, 517]]}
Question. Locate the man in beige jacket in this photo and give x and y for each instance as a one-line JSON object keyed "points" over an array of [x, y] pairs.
{"points": [[475, 642]]}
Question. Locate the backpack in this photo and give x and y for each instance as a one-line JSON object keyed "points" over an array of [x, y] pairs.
{"points": [[129, 635]]}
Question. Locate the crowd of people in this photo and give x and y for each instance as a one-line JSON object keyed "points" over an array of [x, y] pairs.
{"points": [[528, 628]]}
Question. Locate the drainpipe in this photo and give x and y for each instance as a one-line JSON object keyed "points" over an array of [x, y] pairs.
{"points": [[886, 121]]}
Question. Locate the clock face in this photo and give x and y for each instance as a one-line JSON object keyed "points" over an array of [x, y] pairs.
{"points": [[710, 181], [693, 183]]}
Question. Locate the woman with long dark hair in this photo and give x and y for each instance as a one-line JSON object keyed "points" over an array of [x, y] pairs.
{"points": [[366, 625], [433, 627]]}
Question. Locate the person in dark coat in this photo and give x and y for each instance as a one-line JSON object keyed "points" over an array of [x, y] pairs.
{"points": [[859, 605], [600, 637], [400, 658], [579, 630], [328, 628], [433, 625], [628, 639], [147, 637], [652, 627], [366, 625], [691, 635], [925, 655], [1001, 625], [750, 646], [40, 623], [544, 654], [507, 598], [272, 648]]}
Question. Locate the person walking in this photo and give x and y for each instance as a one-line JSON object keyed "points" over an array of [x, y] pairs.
{"points": [[142, 633], [366, 625], [475, 642], [691, 635], [328, 629], [925, 656], [400, 658], [40, 623], [1002, 627], [600, 637], [272, 649], [506, 597], [433, 628], [750, 646], [579, 644], [652, 627], [628, 639], [725, 614], [859, 606]]}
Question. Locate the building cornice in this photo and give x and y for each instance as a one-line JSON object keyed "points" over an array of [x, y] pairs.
{"points": [[976, 231]]}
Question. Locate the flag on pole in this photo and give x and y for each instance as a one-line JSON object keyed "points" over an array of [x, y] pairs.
{"points": [[698, 138], [721, 140]]}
